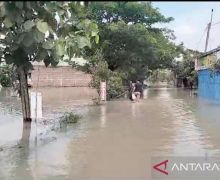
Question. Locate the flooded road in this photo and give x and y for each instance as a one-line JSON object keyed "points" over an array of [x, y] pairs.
{"points": [[112, 141]]}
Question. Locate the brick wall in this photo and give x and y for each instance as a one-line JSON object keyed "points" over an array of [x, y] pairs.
{"points": [[61, 76]]}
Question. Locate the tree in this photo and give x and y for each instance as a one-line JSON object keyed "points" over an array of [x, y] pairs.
{"points": [[186, 66], [130, 42], [42, 31], [128, 49], [129, 12], [161, 75]]}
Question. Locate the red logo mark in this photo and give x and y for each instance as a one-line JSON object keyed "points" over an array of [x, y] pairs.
{"points": [[156, 167]]}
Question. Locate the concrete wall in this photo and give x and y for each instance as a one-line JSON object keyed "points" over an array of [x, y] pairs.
{"points": [[62, 76], [209, 85]]}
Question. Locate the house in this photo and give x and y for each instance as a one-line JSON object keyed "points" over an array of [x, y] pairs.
{"points": [[208, 80]]}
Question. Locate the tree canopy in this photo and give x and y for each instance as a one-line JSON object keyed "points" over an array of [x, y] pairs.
{"points": [[129, 12], [130, 42], [43, 31]]}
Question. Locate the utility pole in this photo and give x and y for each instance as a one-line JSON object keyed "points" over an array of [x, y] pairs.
{"points": [[207, 37]]}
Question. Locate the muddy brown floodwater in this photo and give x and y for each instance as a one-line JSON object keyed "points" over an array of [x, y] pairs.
{"points": [[112, 141]]}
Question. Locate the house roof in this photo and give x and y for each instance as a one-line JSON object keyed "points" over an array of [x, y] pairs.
{"points": [[211, 52]]}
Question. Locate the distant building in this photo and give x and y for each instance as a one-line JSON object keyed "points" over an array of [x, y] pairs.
{"points": [[208, 82]]}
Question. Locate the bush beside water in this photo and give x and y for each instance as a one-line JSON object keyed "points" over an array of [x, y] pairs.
{"points": [[5, 76], [114, 86], [70, 118]]}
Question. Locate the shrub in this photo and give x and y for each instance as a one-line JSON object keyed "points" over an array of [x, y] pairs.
{"points": [[6, 76], [5, 80], [100, 71], [114, 80], [70, 118], [115, 86]]}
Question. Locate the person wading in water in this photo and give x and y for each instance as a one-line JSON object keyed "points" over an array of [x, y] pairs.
{"points": [[138, 90], [130, 89]]}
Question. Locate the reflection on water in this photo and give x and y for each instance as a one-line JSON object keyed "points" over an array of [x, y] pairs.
{"points": [[103, 116], [115, 140]]}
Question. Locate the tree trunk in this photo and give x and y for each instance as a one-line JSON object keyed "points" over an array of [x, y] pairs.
{"points": [[22, 167], [26, 134], [24, 94]]}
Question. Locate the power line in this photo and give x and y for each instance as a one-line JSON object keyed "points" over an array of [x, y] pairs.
{"points": [[197, 44], [216, 23]]}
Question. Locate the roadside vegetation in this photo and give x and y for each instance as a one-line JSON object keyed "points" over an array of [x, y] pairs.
{"points": [[120, 41]]}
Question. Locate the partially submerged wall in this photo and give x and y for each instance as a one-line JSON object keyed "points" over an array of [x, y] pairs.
{"points": [[61, 76]]}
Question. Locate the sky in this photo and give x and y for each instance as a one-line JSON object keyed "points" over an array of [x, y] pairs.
{"points": [[190, 22]]}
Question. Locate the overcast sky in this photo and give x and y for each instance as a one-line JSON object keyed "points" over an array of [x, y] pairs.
{"points": [[191, 19]]}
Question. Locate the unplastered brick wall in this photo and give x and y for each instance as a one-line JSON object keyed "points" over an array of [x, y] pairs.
{"points": [[61, 76]]}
